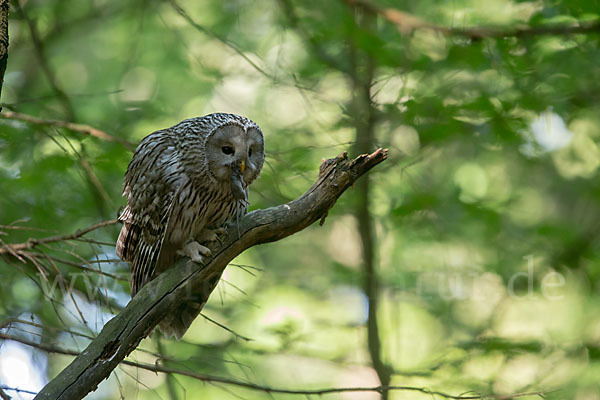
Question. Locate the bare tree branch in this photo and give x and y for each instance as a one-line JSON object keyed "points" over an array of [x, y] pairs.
{"points": [[94, 180], [294, 22], [185, 281], [220, 325], [407, 23], [221, 39], [89, 176], [41, 254], [12, 249], [251, 386], [40, 50], [79, 128], [12, 389], [80, 266]]}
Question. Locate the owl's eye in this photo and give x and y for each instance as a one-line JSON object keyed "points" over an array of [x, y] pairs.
{"points": [[227, 150], [250, 152]]}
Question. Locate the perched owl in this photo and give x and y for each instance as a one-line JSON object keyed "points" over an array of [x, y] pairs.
{"points": [[182, 184]]}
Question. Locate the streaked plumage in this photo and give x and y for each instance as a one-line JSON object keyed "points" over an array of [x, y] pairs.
{"points": [[181, 183]]}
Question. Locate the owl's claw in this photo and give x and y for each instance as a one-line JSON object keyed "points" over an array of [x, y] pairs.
{"points": [[195, 251], [211, 235]]}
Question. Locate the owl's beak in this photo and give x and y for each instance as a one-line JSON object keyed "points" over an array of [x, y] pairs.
{"points": [[243, 166]]}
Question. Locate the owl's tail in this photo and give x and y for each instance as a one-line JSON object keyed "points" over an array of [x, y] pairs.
{"points": [[177, 322]]}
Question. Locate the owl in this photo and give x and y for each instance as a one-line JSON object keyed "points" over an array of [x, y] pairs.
{"points": [[182, 185]]}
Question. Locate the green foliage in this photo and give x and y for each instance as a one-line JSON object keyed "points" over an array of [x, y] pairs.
{"points": [[485, 215]]}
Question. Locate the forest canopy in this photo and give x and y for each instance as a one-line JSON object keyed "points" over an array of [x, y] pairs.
{"points": [[464, 266]]}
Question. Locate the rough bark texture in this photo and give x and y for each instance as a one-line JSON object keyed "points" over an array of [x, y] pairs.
{"points": [[4, 5], [186, 280]]}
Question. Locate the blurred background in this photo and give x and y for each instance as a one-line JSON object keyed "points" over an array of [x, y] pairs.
{"points": [[466, 264]]}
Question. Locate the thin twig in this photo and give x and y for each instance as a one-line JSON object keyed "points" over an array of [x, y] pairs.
{"points": [[237, 335], [294, 21], [13, 389], [248, 385], [10, 321], [83, 266], [43, 98], [32, 242], [407, 23], [95, 181], [101, 197], [79, 128], [247, 268], [38, 45], [24, 228], [223, 40]]}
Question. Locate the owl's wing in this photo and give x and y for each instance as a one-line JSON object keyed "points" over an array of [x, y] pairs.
{"points": [[142, 242], [150, 196]]}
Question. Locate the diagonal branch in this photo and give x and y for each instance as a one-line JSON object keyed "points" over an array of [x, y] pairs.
{"points": [[79, 128], [407, 23], [185, 281]]}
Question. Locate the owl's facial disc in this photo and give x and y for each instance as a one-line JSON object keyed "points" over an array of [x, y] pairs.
{"points": [[255, 154], [233, 154]]}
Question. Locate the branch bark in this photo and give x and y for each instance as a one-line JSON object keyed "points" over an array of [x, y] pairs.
{"points": [[4, 6], [186, 281]]}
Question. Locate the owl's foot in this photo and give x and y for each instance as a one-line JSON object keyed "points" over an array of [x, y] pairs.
{"points": [[195, 251], [211, 235]]}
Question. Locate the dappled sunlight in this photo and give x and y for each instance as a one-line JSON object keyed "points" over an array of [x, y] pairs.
{"points": [[411, 335], [18, 369], [466, 265], [344, 243]]}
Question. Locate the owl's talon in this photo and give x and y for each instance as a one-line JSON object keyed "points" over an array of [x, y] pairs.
{"points": [[195, 251], [219, 232], [211, 235]]}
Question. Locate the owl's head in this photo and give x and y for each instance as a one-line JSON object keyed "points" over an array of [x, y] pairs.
{"points": [[235, 153]]}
